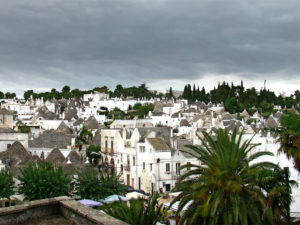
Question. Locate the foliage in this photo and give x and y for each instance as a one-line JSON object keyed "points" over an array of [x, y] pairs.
{"points": [[98, 185], [42, 180], [142, 110], [237, 98], [6, 184], [93, 149], [249, 121], [24, 129], [85, 135], [231, 105], [108, 123], [279, 188], [136, 213], [170, 95], [136, 92], [116, 114], [9, 95], [289, 137], [65, 89], [28, 94], [230, 186]]}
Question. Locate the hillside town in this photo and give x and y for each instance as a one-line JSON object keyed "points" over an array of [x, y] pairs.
{"points": [[148, 152]]}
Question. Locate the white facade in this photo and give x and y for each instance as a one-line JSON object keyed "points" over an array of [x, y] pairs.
{"points": [[50, 124], [7, 139]]}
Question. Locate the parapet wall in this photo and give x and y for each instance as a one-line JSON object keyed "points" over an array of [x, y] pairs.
{"points": [[60, 206]]}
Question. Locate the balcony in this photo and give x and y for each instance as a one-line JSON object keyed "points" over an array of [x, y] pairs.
{"points": [[127, 167]]}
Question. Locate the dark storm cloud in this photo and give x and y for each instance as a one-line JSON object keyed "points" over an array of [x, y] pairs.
{"points": [[86, 43]]}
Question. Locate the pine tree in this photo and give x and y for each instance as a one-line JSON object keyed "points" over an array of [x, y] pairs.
{"points": [[171, 92]]}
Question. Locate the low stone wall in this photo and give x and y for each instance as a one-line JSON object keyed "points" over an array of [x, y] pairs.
{"points": [[81, 214], [70, 209]]}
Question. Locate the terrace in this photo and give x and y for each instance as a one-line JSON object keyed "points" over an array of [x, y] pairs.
{"points": [[60, 210]]}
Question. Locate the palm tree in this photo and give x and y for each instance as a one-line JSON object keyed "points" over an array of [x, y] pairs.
{"points": [[289, 137], [227, 187], [279, 188], [137, 212]]}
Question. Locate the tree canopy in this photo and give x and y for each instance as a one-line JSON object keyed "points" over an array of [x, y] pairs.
{"points": [[43, 180], [92, 152], [98, 185], [289, 137], [6, 183], [237, 98]]}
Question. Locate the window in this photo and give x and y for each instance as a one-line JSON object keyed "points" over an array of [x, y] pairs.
{"points": [[128, 160], [142, 148], [168, 187], [177, 168], [133, 160], [150, 166], [106, 145], [167, 167], [144, 165], [112, 145]]}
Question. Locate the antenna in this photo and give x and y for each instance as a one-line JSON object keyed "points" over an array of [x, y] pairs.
{"points": [[265, 84]]}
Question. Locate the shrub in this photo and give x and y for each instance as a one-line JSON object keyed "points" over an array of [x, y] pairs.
{"points": [[42, 180], [6, 184]]}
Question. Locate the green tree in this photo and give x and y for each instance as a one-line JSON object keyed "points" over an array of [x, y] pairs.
{"points": [[142, 110], [24, 129], [279, 188], [227, 187], [28, 94], [92, 152], [171, 93], [66, 89], [1, 95], [98, 185], [289, 137], [137, 212], [77, 93], [42, 180], [9, 95], [6, 184], [231, 105], [85, 135], [116, 114]]}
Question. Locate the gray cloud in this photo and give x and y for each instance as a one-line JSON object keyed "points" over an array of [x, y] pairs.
{"points": [[50, 43]]}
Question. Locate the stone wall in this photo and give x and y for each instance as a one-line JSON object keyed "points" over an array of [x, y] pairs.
{"points": [[30, 210], [60, 206], [81, 214]]}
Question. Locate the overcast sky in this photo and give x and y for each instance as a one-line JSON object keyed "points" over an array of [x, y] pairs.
{"points": [[163, 43]]}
